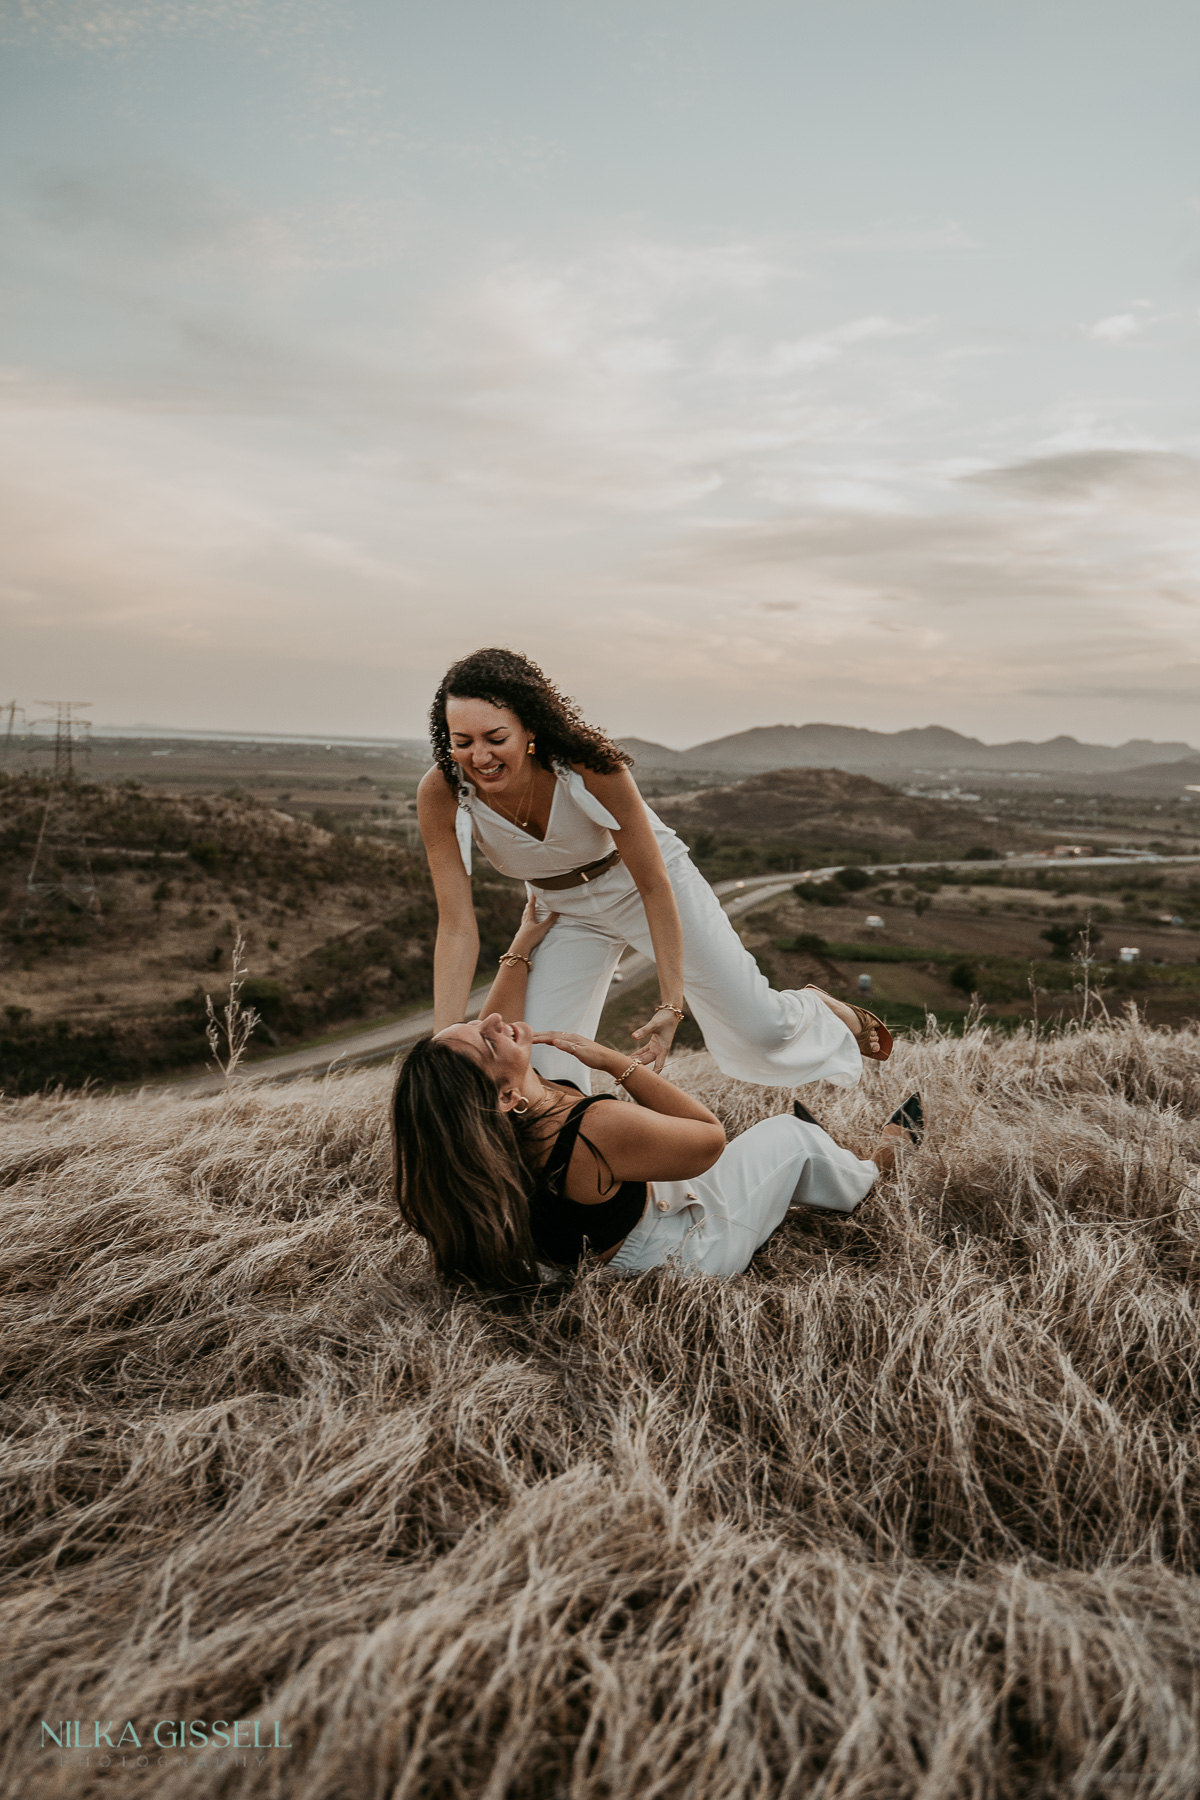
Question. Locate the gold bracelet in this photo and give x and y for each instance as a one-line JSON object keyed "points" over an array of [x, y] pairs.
{"points": [[623, 1077], [665, 1006], [512, 957]]}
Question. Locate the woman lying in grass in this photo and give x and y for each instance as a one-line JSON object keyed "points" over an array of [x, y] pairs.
{"points": [[495, 1170]]}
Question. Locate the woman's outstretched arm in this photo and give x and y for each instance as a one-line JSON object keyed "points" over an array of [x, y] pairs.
{"points": [[456, 951], [507, 993]]}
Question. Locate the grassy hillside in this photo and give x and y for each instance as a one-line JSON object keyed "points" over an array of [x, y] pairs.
{"points": [[910, 1509], [797, 818], [337, 926]]}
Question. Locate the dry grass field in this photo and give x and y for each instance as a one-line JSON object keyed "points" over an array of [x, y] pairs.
{"points": [[910, 1509]]}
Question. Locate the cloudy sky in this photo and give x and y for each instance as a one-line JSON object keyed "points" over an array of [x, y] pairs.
{"points": [[742, 360]]}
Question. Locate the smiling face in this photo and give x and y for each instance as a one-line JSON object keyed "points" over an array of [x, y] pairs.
{"points": [[489, 744], [500, 1050]]}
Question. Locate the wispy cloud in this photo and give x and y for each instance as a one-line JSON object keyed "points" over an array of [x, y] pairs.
{"points": [[1116, 329], [1142, 478], [685, 439], [106, 25]]}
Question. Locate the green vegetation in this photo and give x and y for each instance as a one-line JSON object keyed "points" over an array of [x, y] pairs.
{"points": [[173, 876], [872, 953], [1064, 940], [964, 977], [853, 880]]}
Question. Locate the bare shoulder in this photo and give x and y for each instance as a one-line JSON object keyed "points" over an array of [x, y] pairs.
{"points": [[638, 1144], [616, 789], [613, 1126], [434, 798], [602, 1137]]}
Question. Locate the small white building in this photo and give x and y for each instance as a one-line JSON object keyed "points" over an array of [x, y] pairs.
{"points": [[1129, 953], [874, 922]]}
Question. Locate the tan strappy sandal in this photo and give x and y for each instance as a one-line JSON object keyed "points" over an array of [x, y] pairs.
{"points": [[867, 1023]]}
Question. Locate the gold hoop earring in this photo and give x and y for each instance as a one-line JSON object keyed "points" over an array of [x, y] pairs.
{"points": [[521, 1110]]}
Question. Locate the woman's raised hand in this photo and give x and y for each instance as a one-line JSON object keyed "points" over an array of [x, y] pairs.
{"points": [[659, 1032], [531, 930], [584, 1049]]}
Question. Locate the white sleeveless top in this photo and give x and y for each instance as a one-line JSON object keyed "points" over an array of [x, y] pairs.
{"points": [[579, 831]]}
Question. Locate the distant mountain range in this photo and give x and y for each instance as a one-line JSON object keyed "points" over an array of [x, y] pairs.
{"points": [[932, 747]]}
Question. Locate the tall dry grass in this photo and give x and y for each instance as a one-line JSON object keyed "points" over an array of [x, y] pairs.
{"points": [[908, 1510]]}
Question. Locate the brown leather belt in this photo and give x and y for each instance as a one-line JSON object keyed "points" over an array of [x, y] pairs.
{"points": [[576, 877]]}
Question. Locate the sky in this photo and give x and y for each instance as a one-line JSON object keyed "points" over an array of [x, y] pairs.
{"points": [[741, 361]]}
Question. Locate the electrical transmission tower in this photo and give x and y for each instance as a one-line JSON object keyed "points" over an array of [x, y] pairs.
{"points": [[12, 709], [72, 735], [61, 868]]}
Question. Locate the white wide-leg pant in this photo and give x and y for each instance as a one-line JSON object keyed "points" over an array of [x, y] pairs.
{"points": [[777, 1164], [754, 1032]]}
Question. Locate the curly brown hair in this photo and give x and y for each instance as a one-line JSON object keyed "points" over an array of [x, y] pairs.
{"points": [[506, 678]]}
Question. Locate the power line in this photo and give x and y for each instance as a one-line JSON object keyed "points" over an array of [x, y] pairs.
{"points": [[61, 867]]}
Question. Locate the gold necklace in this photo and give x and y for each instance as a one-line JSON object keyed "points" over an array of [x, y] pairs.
{"points": [[519, 823]]}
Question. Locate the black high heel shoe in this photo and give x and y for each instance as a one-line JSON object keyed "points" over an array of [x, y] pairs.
{"points": [[911, 1118], [801, 1111]]}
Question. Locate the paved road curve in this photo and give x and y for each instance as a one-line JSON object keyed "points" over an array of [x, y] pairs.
{"points": [[737, 897]]}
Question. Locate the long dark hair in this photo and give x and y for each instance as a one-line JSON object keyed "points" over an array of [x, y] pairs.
{"points": [[461, 1181], [506, 678]]}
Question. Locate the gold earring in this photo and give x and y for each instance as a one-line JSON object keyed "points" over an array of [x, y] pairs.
{"points": [[529, 750], [521, 1110]]}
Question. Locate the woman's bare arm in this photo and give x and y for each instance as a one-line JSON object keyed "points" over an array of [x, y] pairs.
{"points": [[667, 1136], [507, 993], [639, 1145], [456, 951]]}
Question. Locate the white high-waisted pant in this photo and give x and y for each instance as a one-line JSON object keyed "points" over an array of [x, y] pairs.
{"points": [[777, 1164], [753, 1031]]}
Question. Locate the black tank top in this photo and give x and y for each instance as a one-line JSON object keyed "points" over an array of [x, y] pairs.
{"points": [[559, 1225]]}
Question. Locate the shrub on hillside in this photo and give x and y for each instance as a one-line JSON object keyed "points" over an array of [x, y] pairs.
{"points": [[853, 880], [963, 977], [1064, 940], [820, 893]]}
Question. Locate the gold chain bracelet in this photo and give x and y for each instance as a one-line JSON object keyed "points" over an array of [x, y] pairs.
{"points": [[665, 1006], [511, 958], [623, 1077]]}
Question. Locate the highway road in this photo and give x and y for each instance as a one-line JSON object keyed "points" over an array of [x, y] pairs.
{"points": [[737, 897]]}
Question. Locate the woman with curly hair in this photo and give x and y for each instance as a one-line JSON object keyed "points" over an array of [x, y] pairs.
{"points": [[550, 800]]}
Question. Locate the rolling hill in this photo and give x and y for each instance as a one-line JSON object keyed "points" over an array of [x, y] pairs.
{"points": [[337, 925], [932, 747], [800, 817]]}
